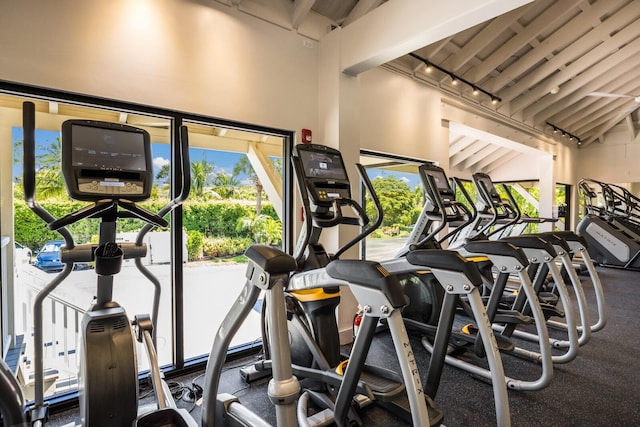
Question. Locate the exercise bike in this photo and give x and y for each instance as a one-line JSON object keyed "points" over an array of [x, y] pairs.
{"points": [[110, 165]]}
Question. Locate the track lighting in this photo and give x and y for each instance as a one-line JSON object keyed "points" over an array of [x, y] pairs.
{"points": [[564, 133], [456, 79]]}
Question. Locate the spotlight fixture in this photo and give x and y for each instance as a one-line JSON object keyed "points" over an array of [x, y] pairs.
{"points": [[564, 133], [456, 79]]}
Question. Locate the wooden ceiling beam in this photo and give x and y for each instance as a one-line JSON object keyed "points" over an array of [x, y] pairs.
{"points": [[583, 116], [594, 72], [619, 83], [482, 155], [301, 9], [546, 19], [460, 143], [495, 156], [460, 157], [598, 57], [360, 9], [581, 24], [482, 39], [602, 129]]}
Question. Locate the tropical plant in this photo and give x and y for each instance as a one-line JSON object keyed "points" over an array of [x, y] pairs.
{"points": [[400, 204], [200, 176], [264, 229], [244, 167], [225, 184], [50, 183]]}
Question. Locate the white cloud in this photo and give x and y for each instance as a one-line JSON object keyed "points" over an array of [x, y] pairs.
{"points": [[159, 162], [405, 179]]}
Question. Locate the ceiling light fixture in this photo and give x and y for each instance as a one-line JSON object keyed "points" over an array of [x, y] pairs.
{"points": [[456, 79], [564, 133]]}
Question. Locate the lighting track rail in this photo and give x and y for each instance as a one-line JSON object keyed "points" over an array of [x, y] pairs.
{"points": [[455, 79], [564, 133]]}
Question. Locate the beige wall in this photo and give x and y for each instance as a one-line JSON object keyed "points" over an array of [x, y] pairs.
{"points": [[206, 58], [615, 161], [194, 56], [400, 116]]}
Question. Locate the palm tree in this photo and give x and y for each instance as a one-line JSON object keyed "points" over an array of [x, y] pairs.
{"points": [[225, 184], [200, 175], [244, 166], [49, 183]]}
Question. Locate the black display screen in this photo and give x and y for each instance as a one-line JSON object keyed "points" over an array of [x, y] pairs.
{"points": [[488, 184], [322, 165], [110, 149], [440, 179]]}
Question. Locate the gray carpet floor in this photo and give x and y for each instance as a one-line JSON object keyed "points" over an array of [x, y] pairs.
{"points": [[601, 387]]}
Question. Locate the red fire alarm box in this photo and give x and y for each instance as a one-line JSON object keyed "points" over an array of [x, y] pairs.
{"points": [[306, 136]]}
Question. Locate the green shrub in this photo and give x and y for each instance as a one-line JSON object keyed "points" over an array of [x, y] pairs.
{"points": [[194, 244], [263, 228], [210, 219], [220, 247]]}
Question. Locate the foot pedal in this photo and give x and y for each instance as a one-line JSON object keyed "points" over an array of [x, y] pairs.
{"points": [[251, 374]]}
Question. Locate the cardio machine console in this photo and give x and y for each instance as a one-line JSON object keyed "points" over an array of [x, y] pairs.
{"points": [[440, 179], [484, 180], [324, 173], [103, 160]]}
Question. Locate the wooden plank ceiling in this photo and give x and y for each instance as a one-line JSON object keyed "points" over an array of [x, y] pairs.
{"points": [[570, 64]]}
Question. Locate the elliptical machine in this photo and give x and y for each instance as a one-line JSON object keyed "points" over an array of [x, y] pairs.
{"points": [[110, 165], [12, 401], [314, 293]]}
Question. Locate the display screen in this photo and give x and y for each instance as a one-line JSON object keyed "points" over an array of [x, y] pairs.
{"points": [[322, 165], [488, 184], [111, 149], [440, 179]]}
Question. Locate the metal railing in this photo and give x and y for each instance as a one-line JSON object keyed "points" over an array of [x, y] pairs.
{"points": [[61, 332]]}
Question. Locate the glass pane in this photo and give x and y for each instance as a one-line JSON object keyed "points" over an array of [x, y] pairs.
{"points": [[398, 187], [64, 308], [234, 203]]}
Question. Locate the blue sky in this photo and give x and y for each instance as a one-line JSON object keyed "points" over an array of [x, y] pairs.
{"points": [[411, 179], [223, 161]]}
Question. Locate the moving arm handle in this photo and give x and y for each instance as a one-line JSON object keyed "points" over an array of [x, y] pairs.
{"points": [[182, 154], [29, 171], [364, 219], [298, 252]]}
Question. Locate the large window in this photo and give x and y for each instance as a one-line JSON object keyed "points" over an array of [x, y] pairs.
{"points": [[237, 189], [235, 202], [398, 186]]}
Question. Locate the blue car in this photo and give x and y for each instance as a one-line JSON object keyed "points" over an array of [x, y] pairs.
{"points": [[48, 258]]}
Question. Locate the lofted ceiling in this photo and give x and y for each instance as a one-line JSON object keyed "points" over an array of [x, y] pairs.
{"points": [[569, 64]]}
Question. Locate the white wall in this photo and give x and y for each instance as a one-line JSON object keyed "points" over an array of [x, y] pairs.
{"points": [[195, 56], [615, 161], [401, 116], [404, 117]]}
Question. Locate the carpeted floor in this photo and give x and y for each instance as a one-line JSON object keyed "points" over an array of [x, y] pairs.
{"points": [[600, 388]]}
